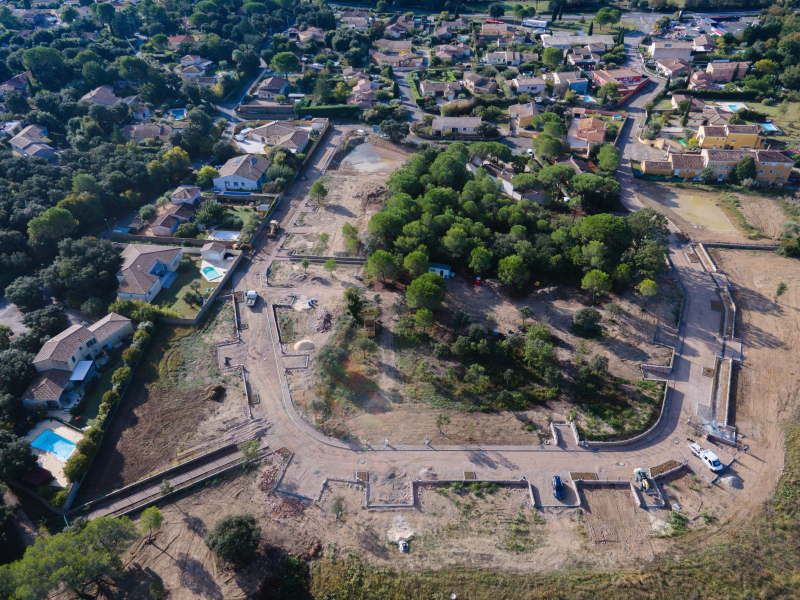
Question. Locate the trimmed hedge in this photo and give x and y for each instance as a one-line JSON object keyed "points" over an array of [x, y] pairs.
{"points": [[720, 94], [413, 86], [329, 111]]}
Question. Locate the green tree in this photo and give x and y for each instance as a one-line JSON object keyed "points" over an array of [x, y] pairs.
{"points": [[383, 264], [608, 158], [354, 300], [46, 64], [121, 376], [647, 288], [235, 538], [176, 162], [330, 265], [397, 132], [52, 225], [249, 450], [69, 14], [525, 312], [165, 489], [16, 456], [552, 57], [103, 11], [210, 212], [481, 260], [319, 191], [512, 271], [26, 293], [5, 337], [76, 466], [496, 10], [423, 319], [745, 169], [442, 419], [205, 177], [426, 291], [416, 263], [596, 282], [305, 263], [285, 62], [131, 356], [367, 346], [150, 521], [147, 212], [587, 319], [782, 287]]}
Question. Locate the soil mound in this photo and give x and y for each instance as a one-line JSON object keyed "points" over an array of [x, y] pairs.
{"points": [[304, 345]]}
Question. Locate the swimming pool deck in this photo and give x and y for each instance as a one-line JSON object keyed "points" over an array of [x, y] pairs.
{"points": [[46, 459]]}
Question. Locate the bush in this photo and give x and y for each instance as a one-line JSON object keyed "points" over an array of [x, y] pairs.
{"points": [[186, 230], [76, 466], [60, 498], [147, 212], [94, 433], [111, 397], [86, 447], [140, 339], [131, 356], [587, 319], [235, 538], [121, 376]]}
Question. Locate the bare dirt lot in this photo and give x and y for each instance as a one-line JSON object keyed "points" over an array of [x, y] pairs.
{"points": [[702, 215], [177, 400]]}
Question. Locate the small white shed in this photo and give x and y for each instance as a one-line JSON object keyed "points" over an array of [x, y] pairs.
{"points": [[442, 270], [213, 251]]}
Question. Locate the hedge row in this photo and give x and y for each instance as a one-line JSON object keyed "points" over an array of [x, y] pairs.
{"points": [[720, 94], [330, 111], [412, 84]]}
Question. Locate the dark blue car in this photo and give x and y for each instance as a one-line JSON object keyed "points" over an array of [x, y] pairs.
{"points": [[558, 488]]}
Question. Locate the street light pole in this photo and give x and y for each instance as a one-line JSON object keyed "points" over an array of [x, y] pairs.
{"points": [[107, 225]]}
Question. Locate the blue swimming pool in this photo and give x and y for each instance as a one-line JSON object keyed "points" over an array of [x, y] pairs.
{"points": [[768, 127], [178, 113], [49, 441], [588, 99], [211, 272]]}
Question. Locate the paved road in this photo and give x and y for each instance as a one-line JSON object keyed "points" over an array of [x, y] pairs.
{"points": [[317, 457]]}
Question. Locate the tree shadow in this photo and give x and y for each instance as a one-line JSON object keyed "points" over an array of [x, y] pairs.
{"points": [[195, 525], [196, 578]]}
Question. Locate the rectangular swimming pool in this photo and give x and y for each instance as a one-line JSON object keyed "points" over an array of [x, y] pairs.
{"points": [[51, 442], [211, 273], [768, 127]]}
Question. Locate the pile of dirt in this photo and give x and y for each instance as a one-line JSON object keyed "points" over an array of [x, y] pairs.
{"points": [[304, 345], [322, 322], [296, 277], [215, 393], [732, 481], [370, 193], [268, 478]]}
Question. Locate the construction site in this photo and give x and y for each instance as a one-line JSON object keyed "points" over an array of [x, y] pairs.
{"points": [[382, 478]]}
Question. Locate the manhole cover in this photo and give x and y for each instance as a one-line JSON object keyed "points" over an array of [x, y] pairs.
{"points": [[675, 441], [362, 461]]}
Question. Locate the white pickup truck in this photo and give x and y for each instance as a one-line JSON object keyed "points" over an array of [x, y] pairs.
{"points": [[251, 297], [710, 459]]}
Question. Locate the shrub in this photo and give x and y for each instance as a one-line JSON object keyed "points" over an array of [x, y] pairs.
{"points": [[131, 356], [111, 397], [94, 433], [121, 376], [140, 339], [147, 212], [60, 498], [76, 466], [235, 538], [587, 319], [86, 447], [186, 230]]}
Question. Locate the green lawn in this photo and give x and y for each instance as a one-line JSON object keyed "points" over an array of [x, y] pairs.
{"points": [[173, 295], [93, 400], [243, 212]]}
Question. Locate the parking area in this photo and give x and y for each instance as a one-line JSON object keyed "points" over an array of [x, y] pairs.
{"points": [[542, 484]]}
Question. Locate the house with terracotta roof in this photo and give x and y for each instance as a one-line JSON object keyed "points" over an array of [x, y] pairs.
{"points": [[18, 83], [725, 72], [145, 270], [528, 85], [279, 133], [453, 51], [144, 131], [703, 43], [104, 96], [392, 46], [592, 131], [478, 84], [405, 60], [700, 80], [448, 89], [30, 143], [166, 223], [772, 167], [523, 113], [67, 359], [731, 137], [177, 40], [271, 87], [674, 67], [247, 172], [185, 194]]}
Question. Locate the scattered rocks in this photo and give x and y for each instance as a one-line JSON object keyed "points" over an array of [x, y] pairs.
{"points": [[322, 322]]}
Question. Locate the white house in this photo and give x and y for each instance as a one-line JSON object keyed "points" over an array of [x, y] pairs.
{"points": [[213, 251], [246, 172], [462, 125], [145, 270], [271, 87], [185, 194], [67, 360], [529, 85], [279, 133], [667, 50], [441, 270]]}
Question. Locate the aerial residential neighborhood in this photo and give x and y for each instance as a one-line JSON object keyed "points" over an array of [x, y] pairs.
{"points": [[399, 300]]}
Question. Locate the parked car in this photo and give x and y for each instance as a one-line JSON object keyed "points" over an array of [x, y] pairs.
{"points": [[558, 488]]}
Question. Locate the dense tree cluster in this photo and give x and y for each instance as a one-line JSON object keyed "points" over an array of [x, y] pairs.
{"points": [[436, 211]]}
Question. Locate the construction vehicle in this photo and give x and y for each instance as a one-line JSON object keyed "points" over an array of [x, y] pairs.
{"points": [[710, 459], [251, 297], [640, 476], [273, 227], [242, 246]]}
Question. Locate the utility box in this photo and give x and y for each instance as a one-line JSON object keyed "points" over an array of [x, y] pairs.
{"points": [[370, 326]]}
